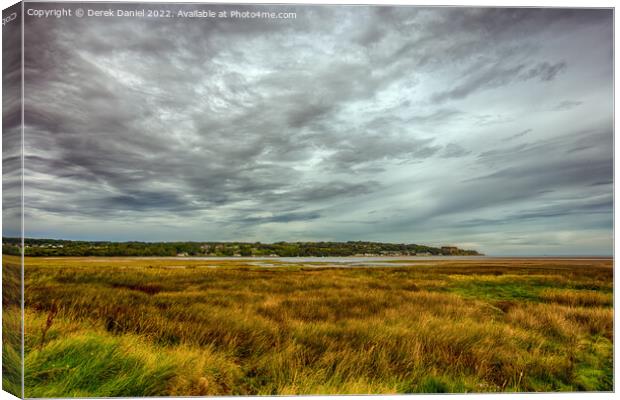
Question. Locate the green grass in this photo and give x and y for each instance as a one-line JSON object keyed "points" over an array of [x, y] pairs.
{"points": [[494, 289], [128, 327], [11, 326], [531, 287], [92, 364], [11, 353], [594, 366]]}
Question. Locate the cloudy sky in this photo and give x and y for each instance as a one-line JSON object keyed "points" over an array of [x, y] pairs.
{"points": [[484, 128]]}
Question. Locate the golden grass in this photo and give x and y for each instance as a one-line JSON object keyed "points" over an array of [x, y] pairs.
{"points": [[11, 326], [577, 298], [183, 327]]}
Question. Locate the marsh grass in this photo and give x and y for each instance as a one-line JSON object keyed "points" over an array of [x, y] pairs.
{"points": [[11, 325], [135, 327]]}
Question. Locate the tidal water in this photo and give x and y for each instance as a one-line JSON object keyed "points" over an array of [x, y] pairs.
{"points": [[384, 259]]}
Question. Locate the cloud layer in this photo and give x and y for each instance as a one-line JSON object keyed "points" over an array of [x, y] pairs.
{"points": [[484, 128]]}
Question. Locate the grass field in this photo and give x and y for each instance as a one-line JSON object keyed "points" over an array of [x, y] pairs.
{"points": [[138, 327]]}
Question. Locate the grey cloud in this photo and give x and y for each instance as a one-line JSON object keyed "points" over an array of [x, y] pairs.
{"points": [[566, 105], [600, 183], [556, 147], [331, 190], [225, 126], [11, 125], [590, 207], [532, 170], [499, 75], [510, 23], [544, 71], [356, 152], [548, 174], [490, 119], [453, 150], [442, 115], [533, 173], [520, 134], [372, 35], [493, 76], [282, 218]]}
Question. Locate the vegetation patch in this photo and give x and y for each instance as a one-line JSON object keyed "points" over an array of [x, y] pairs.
{"points": [[94, 327]]}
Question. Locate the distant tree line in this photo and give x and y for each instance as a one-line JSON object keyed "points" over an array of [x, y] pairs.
{"points": [[54, 247]]}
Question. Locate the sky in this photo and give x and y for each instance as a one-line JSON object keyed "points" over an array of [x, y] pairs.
{"points": [[489, 129]]}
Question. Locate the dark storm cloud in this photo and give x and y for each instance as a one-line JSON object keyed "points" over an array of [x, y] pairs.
{"points": [[277, 129]]}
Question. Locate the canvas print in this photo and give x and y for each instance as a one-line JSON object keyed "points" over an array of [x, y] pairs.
{"points": [[245, 199]]}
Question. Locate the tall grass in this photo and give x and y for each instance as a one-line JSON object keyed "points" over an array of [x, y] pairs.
{"points": [[11, 325], [127, 327]]}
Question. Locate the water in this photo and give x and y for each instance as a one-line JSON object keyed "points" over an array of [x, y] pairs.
{"points": [[332, 260], [383, 259]]}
